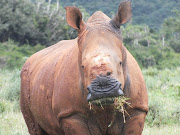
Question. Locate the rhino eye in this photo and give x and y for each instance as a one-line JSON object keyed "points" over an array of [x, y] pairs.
{"points": [[120, 63], [82, 66]]}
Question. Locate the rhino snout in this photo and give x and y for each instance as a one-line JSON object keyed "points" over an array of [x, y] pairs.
{"points": [[104, 87]]}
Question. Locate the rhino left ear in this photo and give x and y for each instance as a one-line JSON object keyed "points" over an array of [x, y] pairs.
{"points": [[74, 18], [123, 15]]}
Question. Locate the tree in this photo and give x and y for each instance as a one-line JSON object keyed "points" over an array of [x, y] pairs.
{"points": [[28, 22], [149, 12], [171, 31], [16, 21]]}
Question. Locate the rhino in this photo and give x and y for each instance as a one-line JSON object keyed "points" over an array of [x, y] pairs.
{"points": [[59, 82]]}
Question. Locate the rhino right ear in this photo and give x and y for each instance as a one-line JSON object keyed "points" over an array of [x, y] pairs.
{"points": [[74, 18], [123, 15]]}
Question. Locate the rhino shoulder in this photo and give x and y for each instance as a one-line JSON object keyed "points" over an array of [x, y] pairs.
{"points": [[48, 54]]}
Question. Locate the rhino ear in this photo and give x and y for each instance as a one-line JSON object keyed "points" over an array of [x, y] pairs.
{"points": [[123, 15], [74, 18]]}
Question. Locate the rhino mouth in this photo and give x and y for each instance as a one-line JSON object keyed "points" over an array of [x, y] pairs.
{"points": [[104, 90], [103, 101]]}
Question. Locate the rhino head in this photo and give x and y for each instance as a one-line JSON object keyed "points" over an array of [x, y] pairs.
{"points": [[102, 55]]}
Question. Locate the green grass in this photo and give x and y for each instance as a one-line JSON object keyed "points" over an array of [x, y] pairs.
{"points": [[164, 96], [10, 84], [164, 102], [11, 119], [12, 123], [13, 56], [163, 130]]}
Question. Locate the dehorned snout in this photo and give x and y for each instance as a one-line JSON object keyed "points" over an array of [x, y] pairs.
{"points": [[104, 87], [102, 70]]}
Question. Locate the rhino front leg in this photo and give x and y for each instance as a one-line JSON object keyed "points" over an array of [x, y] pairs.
{"points": [[135, 124], [75, 125]]}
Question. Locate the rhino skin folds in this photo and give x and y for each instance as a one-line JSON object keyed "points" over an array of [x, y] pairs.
{"points": [[54, 81]]}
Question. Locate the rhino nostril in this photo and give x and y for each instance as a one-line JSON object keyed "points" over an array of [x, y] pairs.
{"points": [[120, 85], [109, 73], [89, 88]]}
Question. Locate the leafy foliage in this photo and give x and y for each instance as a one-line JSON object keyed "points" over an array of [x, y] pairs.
{"points": [[147, 12], [32, 23], [148, 49], [171, 30], [10, 87], [44, 23], [13, 56], [164, 94], [16, 21]]}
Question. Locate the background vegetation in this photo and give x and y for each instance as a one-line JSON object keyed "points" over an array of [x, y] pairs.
{"points": [[152, 36], [150, 12]]}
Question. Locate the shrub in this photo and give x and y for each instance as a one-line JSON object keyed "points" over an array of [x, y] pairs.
{"points": [[163, 92], [10, 89], [12, 123], [150, 72], [2, 106], [36, 23], [5, 106], [155, 56], [14, 55], [175, 44]]}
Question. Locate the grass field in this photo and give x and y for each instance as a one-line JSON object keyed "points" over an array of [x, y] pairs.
{"points": [[164, 103], [163, 130], [12, 123]]}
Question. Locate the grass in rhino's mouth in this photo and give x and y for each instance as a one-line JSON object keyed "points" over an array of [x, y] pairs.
{"points": [[119, 105], [118, 102]]}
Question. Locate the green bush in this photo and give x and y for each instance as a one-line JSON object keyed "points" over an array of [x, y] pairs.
{"points": [[150, 72], [10, 89], [12, 123], [2, 106], [155, 56], [14, 55], [37, 22], [6, 106], [175, 44], [163, 92]]}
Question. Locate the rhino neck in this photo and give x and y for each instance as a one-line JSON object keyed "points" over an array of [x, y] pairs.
{"points": [[126, 73], [105, 119], [82, 87], [124, 62]]}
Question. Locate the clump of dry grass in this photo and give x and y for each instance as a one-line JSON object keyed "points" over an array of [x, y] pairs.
{"points": [[119, 104]]}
